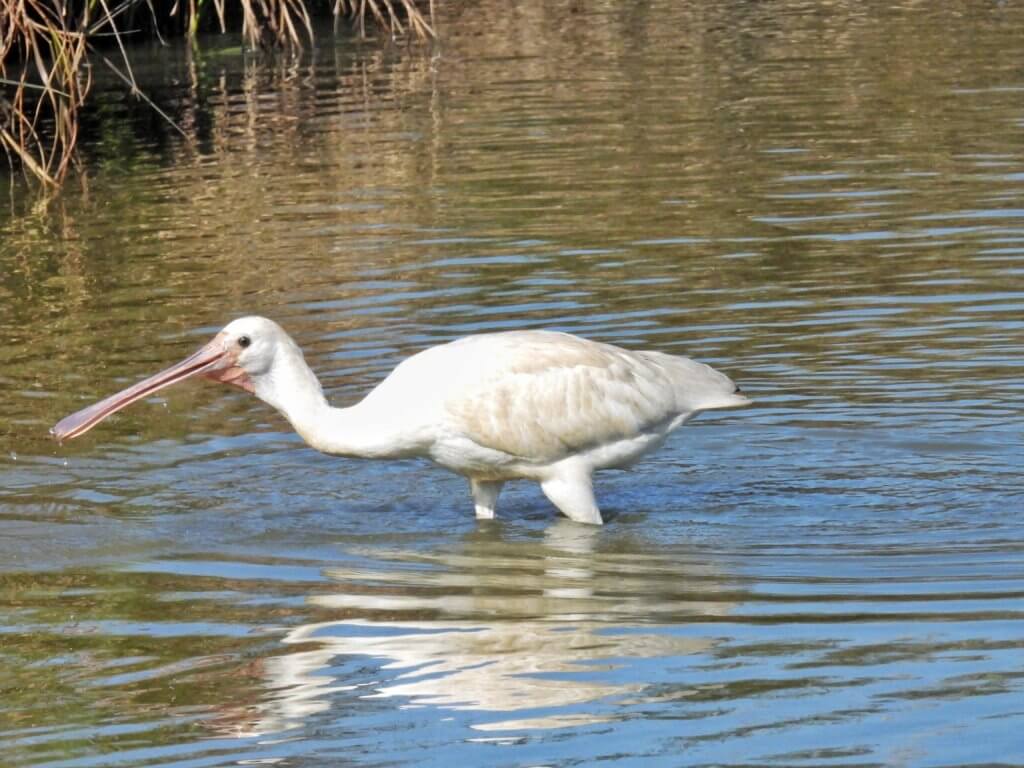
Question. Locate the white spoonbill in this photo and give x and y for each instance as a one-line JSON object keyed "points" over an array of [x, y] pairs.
{"points": [[539, 405]]}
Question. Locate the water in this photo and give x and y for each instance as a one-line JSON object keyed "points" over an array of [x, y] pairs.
{"points": [[823, 201]]}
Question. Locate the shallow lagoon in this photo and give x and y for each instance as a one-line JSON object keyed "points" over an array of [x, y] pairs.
{"points": [[824, 201]]}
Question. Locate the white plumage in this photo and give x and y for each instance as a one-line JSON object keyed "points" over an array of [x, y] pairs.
{"points": [[540, 405]]}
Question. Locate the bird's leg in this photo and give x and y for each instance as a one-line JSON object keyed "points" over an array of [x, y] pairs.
{"points": [[485, 496], [573, 494]]}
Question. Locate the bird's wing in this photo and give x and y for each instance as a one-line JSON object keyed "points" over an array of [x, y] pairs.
{"points": [[543, 396]]}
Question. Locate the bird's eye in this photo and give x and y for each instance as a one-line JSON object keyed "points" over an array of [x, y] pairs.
{"points": [[244, 341]]}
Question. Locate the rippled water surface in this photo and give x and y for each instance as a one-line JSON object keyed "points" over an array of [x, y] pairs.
{"points": [[824, 200]]}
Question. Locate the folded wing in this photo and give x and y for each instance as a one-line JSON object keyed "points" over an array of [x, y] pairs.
{"points": [[543, 396]]}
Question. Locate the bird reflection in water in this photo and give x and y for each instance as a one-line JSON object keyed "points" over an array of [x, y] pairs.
{"points": [[504, 627]]}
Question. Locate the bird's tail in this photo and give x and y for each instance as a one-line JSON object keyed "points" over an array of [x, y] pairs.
{"points": [[735, 400]]}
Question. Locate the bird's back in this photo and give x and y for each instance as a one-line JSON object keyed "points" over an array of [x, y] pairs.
{"points": [[541, 396]]}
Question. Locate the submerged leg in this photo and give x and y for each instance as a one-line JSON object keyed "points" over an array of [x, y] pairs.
{"points": [[485, 496], [573, 494]]}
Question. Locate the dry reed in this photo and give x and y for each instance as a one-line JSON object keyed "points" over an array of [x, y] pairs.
{"points": [[387, 17]]}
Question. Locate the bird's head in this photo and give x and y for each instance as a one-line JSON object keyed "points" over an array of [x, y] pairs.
{"points": [[252, 353], [246, 351]]}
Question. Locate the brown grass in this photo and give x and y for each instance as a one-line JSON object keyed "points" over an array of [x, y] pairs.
{"points": [[42, 53]]}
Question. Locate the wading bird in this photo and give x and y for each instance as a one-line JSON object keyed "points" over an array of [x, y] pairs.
{"points": [[539, 405]]}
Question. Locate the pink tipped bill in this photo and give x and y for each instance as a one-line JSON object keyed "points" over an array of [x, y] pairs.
{"points": [[214, 360]]}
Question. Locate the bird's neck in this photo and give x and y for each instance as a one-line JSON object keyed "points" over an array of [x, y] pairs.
{"points": [[293, 389]]}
